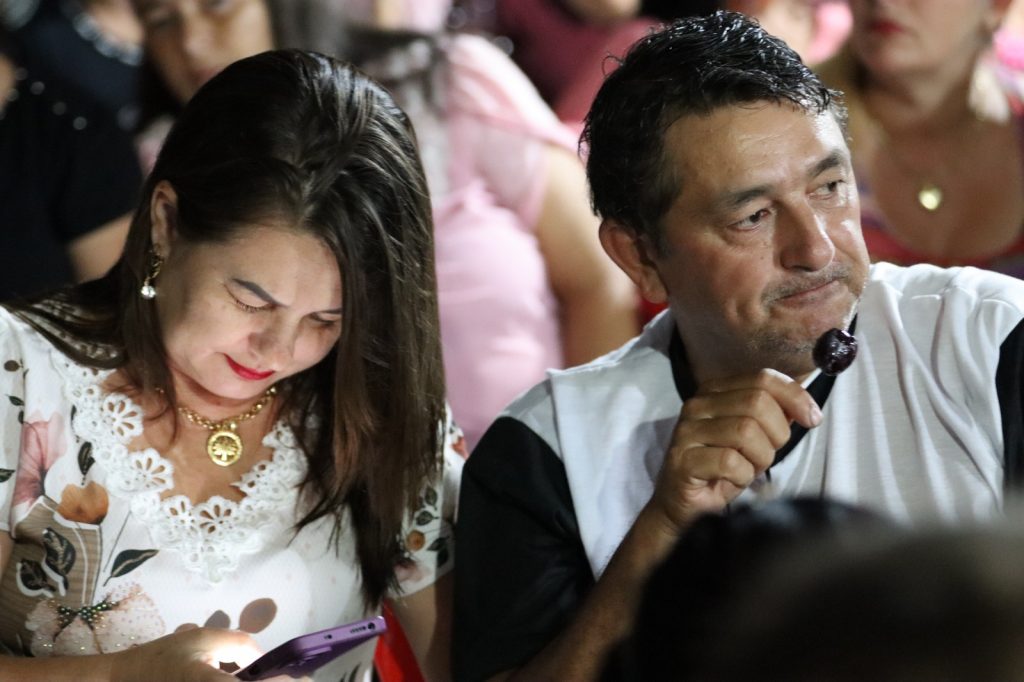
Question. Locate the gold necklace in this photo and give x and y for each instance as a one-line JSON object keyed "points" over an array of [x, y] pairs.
{"points": [[224, 446], [929, 195]]}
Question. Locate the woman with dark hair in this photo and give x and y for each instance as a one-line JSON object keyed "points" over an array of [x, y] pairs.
{"points": [[523, 284], [241, 428]]}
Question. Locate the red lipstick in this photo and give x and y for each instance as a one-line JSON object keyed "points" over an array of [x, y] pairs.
{"points": [[885, 27], [247, 373]]}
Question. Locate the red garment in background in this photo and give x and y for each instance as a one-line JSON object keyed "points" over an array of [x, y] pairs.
{"points": [[393, 658], [564, 56]]}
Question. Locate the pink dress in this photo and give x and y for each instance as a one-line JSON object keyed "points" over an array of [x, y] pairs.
{"points": [[499, 317]]}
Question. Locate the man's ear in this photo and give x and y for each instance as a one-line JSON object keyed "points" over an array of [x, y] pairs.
{"points": [[635, 255], [163, 214]]}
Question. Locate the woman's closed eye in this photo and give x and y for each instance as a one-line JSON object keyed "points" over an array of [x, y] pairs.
{"points": [[251, 308], [326, 321]]}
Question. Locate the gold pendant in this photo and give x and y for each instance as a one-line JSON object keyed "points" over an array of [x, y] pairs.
{"points": [[929, 196], [224, 446]]}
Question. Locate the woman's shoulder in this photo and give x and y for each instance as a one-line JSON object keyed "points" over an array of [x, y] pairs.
{"points": [[16, 333], [26, 357], [27, 339]]}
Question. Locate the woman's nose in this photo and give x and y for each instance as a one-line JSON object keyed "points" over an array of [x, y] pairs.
{"points": [[275, 345]]}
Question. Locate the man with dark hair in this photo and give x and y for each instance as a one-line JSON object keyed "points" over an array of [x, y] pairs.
{"points": [[719, 166]]}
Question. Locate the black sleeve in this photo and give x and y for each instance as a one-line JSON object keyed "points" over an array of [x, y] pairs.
{"points": [[520, 568], [1010, 389], [101, 176]]}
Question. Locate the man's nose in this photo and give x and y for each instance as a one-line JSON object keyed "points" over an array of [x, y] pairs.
{"points": [[803, 240]]}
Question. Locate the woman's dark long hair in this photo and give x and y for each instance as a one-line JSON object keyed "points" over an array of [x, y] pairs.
{"points": [[301, 138]]}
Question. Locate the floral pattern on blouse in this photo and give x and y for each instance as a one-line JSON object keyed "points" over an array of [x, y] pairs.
{"points": [[55, 564]]}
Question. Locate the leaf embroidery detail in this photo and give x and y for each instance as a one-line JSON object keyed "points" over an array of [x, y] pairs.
{"points": [[130, 559], [60, 554], [85, 460], [424, 517], [15, 400], [12, 365], [32, 578], [440, 545], [5, 474], [430, 496]]}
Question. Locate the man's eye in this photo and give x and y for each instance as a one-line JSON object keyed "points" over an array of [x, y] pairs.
{"points": [[830, 187], [752, 220]]}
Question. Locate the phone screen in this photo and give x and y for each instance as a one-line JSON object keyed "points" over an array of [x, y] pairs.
{"points": [[303, 655]]}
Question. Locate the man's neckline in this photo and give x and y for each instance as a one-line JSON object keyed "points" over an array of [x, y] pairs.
{"points": [[686, 387]]}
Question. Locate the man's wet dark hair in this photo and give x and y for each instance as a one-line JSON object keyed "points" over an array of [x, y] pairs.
{"points": [[692, 67]]}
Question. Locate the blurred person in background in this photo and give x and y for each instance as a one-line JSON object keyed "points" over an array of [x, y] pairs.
{"points": [[936, 140], [932, 604], [563, 45], [68, 177], [691, 596], [92, 47]]}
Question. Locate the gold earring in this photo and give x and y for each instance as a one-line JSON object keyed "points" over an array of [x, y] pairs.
{"points": [[148, 291]]}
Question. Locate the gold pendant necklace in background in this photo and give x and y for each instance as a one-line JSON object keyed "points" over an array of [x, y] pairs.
{"points": [[927, 193], [929, 196], [224, 446]]}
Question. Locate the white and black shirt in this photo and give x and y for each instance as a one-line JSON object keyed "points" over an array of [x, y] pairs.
{"points": [[927, 424]]}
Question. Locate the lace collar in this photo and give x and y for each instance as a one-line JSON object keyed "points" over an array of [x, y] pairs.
{"points": [[211, 536]]}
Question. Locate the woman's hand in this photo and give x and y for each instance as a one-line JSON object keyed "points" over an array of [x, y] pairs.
{"points": [[188, 656]]}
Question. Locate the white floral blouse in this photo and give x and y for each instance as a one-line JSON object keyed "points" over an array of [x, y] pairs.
{"points": [[103, 560]]}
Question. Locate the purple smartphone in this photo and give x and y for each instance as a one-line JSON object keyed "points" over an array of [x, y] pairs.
{"points": [[301, 656]]}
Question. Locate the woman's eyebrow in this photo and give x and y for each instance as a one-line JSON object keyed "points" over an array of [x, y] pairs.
{"points": [[262, 294], [258, 291]]}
